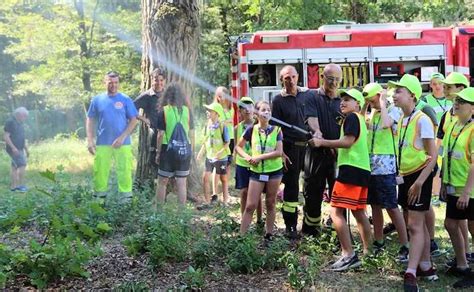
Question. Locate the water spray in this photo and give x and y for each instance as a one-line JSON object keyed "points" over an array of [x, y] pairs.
{"points": [[136, 45]]}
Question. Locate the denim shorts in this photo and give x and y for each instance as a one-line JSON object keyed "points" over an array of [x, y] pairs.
{"points": [[383, 191], [18, 160]]}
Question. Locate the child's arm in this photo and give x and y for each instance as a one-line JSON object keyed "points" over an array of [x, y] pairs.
{"points": [[345, 142], [240, 150], [463, 201], [202, 151], [387, 121]]}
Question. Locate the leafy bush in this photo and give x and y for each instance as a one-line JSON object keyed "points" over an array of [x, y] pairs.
{"points": [[193, 278], [68, 224], [246, 257], [165, 235]]}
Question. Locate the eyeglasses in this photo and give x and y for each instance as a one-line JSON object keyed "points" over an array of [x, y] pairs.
{"points": [[332, 79], [463, 101]]}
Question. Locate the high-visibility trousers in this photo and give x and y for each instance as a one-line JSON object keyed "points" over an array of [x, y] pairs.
{"points": [[122, 157]]}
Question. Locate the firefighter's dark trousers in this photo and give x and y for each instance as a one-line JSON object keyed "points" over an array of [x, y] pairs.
{"points": [[295, 152], [320, 171]]}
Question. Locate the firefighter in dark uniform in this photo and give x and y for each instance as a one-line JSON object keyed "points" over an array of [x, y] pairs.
{"points": [[324, 118], [288, 106]]}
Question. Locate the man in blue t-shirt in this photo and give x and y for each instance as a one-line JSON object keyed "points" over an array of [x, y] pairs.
{"points": [[113, 116]]}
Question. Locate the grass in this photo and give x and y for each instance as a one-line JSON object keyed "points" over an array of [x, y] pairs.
{"points": [[70, 156]]}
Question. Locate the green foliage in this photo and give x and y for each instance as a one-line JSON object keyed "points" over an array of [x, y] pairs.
{"points": [[69, 225], [245, 257], [166, 235], [193, 278], [133, 287]]}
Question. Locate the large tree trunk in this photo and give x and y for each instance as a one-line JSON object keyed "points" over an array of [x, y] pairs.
{"points": [[170, 37]]}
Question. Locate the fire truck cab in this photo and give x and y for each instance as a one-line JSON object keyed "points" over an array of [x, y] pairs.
{"points": [[366, 53]]}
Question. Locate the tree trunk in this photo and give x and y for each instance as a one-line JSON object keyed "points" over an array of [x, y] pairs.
{"points": [[170, 38]]}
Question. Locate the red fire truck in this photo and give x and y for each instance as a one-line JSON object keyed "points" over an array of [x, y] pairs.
{"points": [[366, 53]]}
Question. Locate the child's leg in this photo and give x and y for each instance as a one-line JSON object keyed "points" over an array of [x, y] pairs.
{"points": [[364, 228], [260, 210], [342, 230], [205, 182], [418, 242], [454, 230], [243, 200], [470, 225], [377, 219], [181, 185], [399, 222], [161, 189], [253, 196], [215, 182], [465, 234], [430, 222], [225, 188], [270, 201]]}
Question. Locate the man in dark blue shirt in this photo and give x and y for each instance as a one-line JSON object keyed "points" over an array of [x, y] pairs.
{"points": [[288, 106], [324, 119], [14, 137]]}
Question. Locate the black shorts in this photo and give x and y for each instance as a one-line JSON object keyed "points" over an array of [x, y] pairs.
{"points": [[242, 177], [452, 212], [425, 197], [170, 168], [219, 165], [271, 175]]}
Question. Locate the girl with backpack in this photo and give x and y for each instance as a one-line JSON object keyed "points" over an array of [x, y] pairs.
{"points": [[266, 166], [175, 143]]}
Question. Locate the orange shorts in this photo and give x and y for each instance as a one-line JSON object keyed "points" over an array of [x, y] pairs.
{"points": [[349, 196]]}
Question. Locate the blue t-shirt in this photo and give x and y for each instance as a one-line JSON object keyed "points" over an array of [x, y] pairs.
{"points": [[112, 114]]}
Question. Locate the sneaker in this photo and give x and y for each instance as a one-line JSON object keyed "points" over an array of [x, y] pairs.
{"points": [[214, 198], [457, 272], [14, 189], [345, 263], [22, 189], [378, 247], [434, 249], [452, 262], [409, 283], [389, 228], [435, 201], [429, 275], [403, 254], [267, 239]]}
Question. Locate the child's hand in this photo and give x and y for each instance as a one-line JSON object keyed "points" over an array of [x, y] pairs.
{"points": [[463, 202], [255, 160], [414, 193]]}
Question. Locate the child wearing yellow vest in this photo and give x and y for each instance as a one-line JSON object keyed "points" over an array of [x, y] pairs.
{"points": [[350, 189], [266, 166], [242, 166], [216, 148], [416, 159], [458, 179], [382, 192]]}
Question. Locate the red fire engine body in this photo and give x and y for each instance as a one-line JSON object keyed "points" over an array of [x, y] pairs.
{"points": [[366, 53]]}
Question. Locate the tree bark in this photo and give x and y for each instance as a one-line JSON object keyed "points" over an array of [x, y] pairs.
{"points": [[170, 38]]}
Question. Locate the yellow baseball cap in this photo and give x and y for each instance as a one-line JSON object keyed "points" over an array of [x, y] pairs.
{"points": [[467, 94], [456, 78], [246, 99], [410, 82], [355, 94], [437, 75], [215, 106], [371, 89]]}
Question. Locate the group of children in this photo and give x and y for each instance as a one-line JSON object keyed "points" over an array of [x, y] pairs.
{"points": [[391, 147]]}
